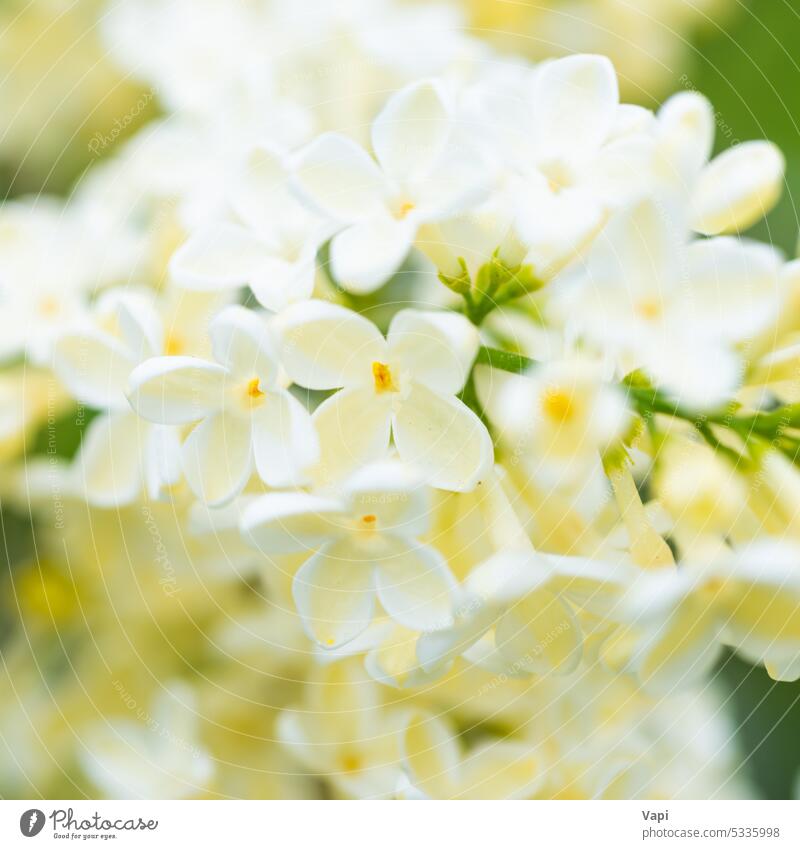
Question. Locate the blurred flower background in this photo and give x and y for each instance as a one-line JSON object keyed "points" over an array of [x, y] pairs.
{"points": [[139, 656]]}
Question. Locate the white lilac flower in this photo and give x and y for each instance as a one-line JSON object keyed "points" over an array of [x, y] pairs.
{"points": [[344, 733], [562, 413], [573, 163], [422, 174], [270, 247], [511, 621], [243, 417], [652, 299], [160, 758], [404, 385], [119, 453], [47, 273], [365, 548], [748, 599], [728, 193]]}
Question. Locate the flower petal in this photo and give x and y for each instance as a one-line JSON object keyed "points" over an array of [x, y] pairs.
{"points": [[430, 755], [682, 651], [94, 366], [109, 462], [325, 346], [443, 438], [411, 130], [162, 460], [415, 587], [738, 188], [354, 429], [501, 770], [285, 442], [176, 390], [436, 348], [240, 341], [540, 634], [218, 458], [366, 254], [261, 191], [219, 256], [639, 251], [686, 135], [699, 376], [575, 104], [393, 494], [340, 178], [279, 283], [733, 287], [335, 595], [283, 522]]}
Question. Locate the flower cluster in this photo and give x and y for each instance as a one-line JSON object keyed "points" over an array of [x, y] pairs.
{"points": [[437, 435]]}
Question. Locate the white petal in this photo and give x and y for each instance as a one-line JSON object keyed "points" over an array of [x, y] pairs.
{"points": [[218, 458], [575, 103], [354, 429], [280, 283], [459, 181], [733, 287], [437, 348], [335, 595], [416, 588], [176, 390], [430, 755], [261, 191], [339, 178], [443, 438], [700, 377], [94, 366], [507, 576], [325, 346], [555, 228], [366, 254], [283, 522], [739, 187], [110, 459], [140, 325], [640, 250], [393, 493], [501, 769], [162, 459], [686, 132], [682, 651], [540, 634], [219, 256], [436, 649], [240, 341], [285, 442], [411, 130]]}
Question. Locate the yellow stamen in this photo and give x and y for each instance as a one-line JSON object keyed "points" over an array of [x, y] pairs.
{"points": [[649, 309], [404, 209], [173, 345], [369, 519], [557, 405], [49, 306], [384, 382], [253, 393], [351, 763]]}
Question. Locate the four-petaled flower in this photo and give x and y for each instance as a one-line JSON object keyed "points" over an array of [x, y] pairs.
{"points": [[404, 385], [366, 546], [245, 417]]}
